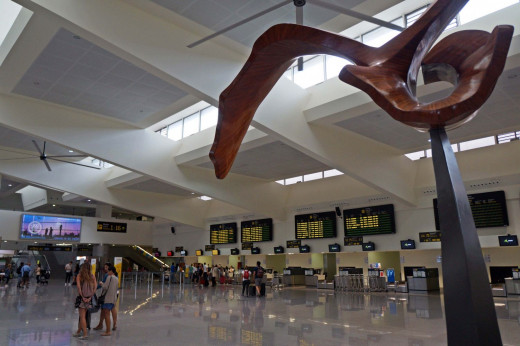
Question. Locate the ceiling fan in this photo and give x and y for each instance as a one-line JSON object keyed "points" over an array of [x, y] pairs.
{"points": [[43, 157], [299, 17]]}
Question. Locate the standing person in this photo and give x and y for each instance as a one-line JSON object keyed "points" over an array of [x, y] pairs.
{"points": [[26, 271], [246, 281], [172, 273], [214, 275], [86, 283], [106, 270], [76, 272], [259, 276], [109, 290], [8, 272], [38, 272], [19, 273], [68, 273]]}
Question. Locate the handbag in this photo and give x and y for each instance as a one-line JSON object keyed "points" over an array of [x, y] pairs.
{"points": [[101, 299], [77, 302], [94, 305]]}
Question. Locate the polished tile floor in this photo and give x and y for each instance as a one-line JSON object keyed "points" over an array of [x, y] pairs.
{"points": [[156, 315]]}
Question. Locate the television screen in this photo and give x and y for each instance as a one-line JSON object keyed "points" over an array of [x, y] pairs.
{"points": [[278, 249], [368, 246], [215, 252], [305, 249], [334, 248], [255, 250], [256, 230], [198, 252], [184, 253], [508, 240], [169, 253], [407, 244], [235, 251], [45, 227], [317, 225], [369, 220]]}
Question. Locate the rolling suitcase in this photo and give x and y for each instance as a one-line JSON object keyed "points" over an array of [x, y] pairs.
{"points": [[262, 290], [252, 290]]}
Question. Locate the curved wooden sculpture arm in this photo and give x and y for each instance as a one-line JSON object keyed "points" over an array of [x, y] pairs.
{"points": [[478, 64], [272, 54]]}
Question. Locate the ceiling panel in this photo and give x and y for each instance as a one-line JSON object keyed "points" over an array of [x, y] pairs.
{"points": [[217, 15], [159, 187], [74, 72], [273, 161], [500, 113]]}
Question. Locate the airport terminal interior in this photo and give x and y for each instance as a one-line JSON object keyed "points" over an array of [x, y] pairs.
{"points": [[108, 112]]}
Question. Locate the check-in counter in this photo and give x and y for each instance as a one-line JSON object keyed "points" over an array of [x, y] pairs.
{"points": [[294, 276], [311, 277], [512, 286], [425, 279]]}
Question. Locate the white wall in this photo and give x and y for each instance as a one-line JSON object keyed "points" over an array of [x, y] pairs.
{"points": [[138, 232]]}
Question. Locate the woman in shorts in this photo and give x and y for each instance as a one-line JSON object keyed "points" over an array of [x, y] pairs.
{"points": [[109, 290]]}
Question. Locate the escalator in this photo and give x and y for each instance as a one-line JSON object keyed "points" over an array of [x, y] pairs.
{"points": [[140, 256]]}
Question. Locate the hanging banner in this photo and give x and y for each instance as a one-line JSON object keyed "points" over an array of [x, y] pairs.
{"points": [[118, 263], [93, 265]]}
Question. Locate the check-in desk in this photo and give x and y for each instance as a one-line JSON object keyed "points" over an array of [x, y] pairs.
{"points": [[311, 277], [294, 276], [425, 279], [513, 283]]}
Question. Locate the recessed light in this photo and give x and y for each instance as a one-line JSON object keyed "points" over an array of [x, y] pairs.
{"points": [[88, 200], [9, 185], [71, 151], [54, 205]]}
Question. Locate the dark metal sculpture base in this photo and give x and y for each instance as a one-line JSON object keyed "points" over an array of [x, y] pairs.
{"points": [[470, 311]]}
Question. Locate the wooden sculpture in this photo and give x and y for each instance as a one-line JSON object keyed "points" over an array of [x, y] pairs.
{"points": [[471, 60]]}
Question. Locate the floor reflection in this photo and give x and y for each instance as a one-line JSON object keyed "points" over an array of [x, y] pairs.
{"points": [[153, 315]]}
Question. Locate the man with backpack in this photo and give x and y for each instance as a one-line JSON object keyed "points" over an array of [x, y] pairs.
{"points": [[259, 276], [26, 271], [245, 281]]}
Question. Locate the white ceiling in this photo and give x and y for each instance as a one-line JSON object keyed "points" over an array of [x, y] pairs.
{"points": [[73, 72]]}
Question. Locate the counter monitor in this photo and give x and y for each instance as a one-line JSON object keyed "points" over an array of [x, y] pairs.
{"points": [[184, 253], [489, 209], [305, 249], [224, 233], [278, 249], [198, 252], [508, 240], [235, 251], [215, 252], [407, 244], [255, 251], [256, 230], [370, 246], [334, 248], [314, 226], [369, 220], [169, 253]]}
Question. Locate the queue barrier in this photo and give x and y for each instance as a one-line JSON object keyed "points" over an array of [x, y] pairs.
{"points": [[359, 283]]}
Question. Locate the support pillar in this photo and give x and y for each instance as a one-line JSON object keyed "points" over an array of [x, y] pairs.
{"points": [[470, 311]]}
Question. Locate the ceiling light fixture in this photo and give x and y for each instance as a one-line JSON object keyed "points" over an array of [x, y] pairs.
{"points": [[9, 185], [54, 205], [71, 151]]}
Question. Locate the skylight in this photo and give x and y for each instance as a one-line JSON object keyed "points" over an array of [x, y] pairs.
{"points": [[8, 12]]}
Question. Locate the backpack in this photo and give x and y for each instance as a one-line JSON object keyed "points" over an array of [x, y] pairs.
{"points": [[260, 272], [19, 270], [246, 274]]}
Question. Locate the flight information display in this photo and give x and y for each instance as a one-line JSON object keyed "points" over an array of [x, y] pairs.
{"points": [[224, 233], [247, 246], [256, 230], [352, 241], [293, 244], [489, 209], [369, 220], [314, 226], [429, 237]]}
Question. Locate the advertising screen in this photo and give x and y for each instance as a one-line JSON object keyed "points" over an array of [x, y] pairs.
{"points": [[45, 227]]}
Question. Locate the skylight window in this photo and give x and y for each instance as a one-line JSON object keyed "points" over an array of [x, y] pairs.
{"points": [[9, 10], [479, 8]]}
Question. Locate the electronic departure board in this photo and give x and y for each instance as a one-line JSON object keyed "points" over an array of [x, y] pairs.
{"points": [[293, 244], [314, 226], [429, 237], [369, 220], [48, 248], [224, 233], [256, 230], [352, 241], [116, 227], [489, 209]]}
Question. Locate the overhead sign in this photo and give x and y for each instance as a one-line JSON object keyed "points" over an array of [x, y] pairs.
{"points": [[115, 227]]}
